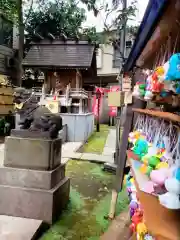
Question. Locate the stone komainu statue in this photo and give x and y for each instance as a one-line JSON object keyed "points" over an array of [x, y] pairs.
{"points": [[46, 123]]}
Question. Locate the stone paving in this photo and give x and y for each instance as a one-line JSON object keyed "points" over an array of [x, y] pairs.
{"points": [[15, 228]]}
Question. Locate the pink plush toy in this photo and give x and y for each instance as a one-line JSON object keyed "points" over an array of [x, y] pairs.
{"points": [[159, 176], [149, 187]]}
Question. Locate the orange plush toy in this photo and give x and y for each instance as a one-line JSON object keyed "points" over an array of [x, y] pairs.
{"points": [[156, 84]]}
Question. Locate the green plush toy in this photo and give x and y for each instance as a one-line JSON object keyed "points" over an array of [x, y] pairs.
{"points": [[153, 161]]}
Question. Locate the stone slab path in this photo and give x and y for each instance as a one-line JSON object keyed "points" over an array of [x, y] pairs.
{"points": [[119, 228], [109, 148], [107, 156], [14, 228]]}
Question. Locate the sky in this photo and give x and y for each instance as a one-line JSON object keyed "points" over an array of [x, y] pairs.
{"points": [[98, 21]]}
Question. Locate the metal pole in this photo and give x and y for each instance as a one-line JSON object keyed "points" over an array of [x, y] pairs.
{"points": [[98, 117]]}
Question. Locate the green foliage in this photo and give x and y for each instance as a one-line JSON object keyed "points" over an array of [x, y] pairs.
{"points": [[56, 18], [60, 18], [9, 9]]}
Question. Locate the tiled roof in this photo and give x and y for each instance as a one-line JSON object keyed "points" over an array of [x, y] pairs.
{"points": [[60, 54]]}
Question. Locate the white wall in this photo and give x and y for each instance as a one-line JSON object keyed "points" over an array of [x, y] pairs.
{"points": [[105, 61]]}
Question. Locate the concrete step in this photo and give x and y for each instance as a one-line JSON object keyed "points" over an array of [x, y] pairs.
{"points": [[15, 228]]}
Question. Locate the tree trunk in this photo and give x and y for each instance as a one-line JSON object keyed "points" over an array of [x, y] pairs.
{"points": [[21, 43]]}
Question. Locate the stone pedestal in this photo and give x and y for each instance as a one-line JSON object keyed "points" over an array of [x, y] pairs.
{"points": [[32, 153], [32, 180]]}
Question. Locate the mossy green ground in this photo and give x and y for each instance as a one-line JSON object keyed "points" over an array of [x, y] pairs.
{"points": [[89, 202], [96, 142]]}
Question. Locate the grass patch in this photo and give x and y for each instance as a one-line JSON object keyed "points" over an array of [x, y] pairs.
{"points": [[96, 142], [89, 202]]}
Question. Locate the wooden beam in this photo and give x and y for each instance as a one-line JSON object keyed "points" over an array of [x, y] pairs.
{"points": [[121, 154], [50, 35], [38, 35]]}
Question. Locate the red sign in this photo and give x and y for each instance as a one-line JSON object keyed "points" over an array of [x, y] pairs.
{"points": [[97, 101], [113, 110]]}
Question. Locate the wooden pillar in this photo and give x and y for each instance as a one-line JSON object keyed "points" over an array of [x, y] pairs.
{"points": [[121, 159], [77, 80], [53, 82], [44, 86], [80, 106]]}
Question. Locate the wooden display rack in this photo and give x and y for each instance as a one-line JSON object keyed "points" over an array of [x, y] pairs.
{"points": [[165, 115], [161, 222]]}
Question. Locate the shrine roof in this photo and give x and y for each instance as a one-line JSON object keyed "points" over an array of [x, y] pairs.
{"points": [[60, 54]]}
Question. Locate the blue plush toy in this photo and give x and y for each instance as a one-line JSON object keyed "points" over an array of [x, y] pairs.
{"points": [[141, 147], [176, 173], [173, 72]]}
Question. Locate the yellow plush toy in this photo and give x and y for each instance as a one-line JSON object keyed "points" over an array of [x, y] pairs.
{"points": [[141, 231], [162, 165], [160, 70]]}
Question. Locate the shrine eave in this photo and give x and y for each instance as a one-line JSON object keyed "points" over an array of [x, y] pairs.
{"points": [[152, 16]]}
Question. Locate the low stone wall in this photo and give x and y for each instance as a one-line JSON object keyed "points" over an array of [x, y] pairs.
{"points": [[79, 126]]}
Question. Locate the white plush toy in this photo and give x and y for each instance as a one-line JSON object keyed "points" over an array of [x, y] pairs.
{"points": [[171, 199]]}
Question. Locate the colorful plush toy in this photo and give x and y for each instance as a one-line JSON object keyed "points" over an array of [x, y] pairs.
{"points": [[149, 187], [141, 147], [156, 85], [171, 199], [148, 94], [173, 72], [139, 90], [145, 169], [159, 176], [141, 231], [148, 237], [162, 165], [153, 161], [176, 173]]}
